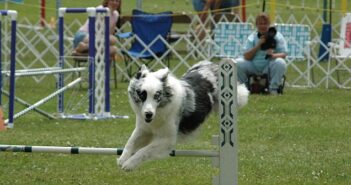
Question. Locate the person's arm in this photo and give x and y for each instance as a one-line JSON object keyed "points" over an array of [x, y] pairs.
{"points": [[207, 6], [114, 22], [250, 54], [276, 55]]}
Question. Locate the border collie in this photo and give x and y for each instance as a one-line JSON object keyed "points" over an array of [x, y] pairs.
{"points": [[167, 107]]}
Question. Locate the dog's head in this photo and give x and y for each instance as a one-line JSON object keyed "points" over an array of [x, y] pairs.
{"points": [[149, 91]]}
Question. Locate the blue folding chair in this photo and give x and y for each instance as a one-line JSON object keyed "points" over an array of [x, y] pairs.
{"points": [[151, 31]]}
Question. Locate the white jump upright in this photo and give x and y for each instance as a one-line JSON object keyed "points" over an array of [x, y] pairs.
{"points": [[228, 161], [13, 15]]}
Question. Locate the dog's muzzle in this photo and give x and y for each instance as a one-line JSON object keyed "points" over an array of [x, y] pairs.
{"points": [[148, 116]]}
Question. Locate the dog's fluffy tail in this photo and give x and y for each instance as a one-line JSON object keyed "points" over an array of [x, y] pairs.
{"points": [[243, 95]]}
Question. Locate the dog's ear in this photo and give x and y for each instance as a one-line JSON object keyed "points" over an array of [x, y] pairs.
{"points": [[143, 68], [162, 74], [142, 71]]}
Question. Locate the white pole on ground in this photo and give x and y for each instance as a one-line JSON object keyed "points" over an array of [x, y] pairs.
{"points": [[46, 99]]}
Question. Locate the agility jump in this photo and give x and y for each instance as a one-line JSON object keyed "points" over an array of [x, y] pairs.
{"points": [[225, 158], [98, 61]]}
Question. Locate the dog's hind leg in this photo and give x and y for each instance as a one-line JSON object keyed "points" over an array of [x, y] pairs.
{"points": [[137, 140], [158, 148]]}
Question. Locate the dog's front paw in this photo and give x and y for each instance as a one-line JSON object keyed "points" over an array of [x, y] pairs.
{"points": [[121, 160], [129, 165]]}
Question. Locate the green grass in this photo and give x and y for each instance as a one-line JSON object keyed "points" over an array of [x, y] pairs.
{"points": [[302, 137]]}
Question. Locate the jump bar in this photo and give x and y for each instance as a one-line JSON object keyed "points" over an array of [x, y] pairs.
{"points": [[98, 151], [83, 10]]}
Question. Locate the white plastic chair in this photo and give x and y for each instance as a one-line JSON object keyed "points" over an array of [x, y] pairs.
{"points": [[298, 41], [340, 51], [229, 38]]}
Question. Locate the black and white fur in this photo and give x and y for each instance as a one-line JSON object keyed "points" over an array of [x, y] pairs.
{"points": [[166, 107]]}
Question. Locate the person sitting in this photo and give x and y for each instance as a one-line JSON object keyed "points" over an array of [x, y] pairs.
{"points": [[264, 55], [81, 37]]}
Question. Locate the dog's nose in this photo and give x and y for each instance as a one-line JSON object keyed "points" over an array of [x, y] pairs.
{"points": [[148, 115]]}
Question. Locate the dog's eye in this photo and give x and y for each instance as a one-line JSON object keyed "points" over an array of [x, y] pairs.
{"points": [[157, 96], [142, 95]]}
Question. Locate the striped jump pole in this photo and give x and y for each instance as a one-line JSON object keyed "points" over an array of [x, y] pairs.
{"points": [[97, 151], [13, 15]]}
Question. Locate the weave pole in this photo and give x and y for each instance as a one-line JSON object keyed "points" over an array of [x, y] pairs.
{"points": [[13, 15], [97, 151]]}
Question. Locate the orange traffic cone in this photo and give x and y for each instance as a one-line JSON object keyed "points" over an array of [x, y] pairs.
{"points": [[2, 123]]}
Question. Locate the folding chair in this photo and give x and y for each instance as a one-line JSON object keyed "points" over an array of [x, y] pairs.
{"points": [[340, 51], [150, 32]]}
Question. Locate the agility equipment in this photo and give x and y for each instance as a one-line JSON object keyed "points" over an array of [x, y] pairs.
{"points": [[225, 158], [98, 60], [46, 99], [12, 73], [97, 151], [99, 94], [13, 15]]}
